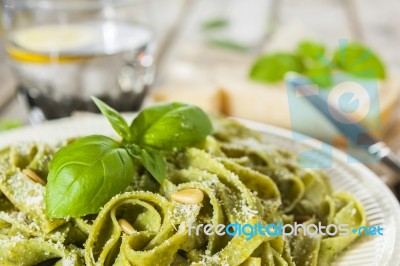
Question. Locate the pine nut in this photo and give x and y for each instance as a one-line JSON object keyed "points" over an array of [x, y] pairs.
{"points": [[33, 176], [126, 227], [188, 196]]}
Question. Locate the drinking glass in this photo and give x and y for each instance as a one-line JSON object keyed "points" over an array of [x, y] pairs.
{"points": [[65, 51]]}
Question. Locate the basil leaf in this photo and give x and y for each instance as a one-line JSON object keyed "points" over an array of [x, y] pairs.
{"points": [[213, 24], [86, 174], [310, 49], [319, 73], [228, 44], [6, 124], [359, 61], [148, 117], [170, 126], [116, 120], [151, 160], [154, 163], [272, 68]]}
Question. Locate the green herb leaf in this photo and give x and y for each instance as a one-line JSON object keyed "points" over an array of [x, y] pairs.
{"points": [[310, 49], [151, 160], [170, 126], [86, 174], [321, 77], [217, 23], [319, 73], [359, 61], [116, 120], [228, 44], [154, 163], [272, 68], [6, 124]]}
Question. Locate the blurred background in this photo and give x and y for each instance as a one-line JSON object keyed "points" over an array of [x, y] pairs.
{"points": [[55, 54]]}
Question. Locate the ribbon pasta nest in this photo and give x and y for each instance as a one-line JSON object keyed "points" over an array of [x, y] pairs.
{"points": [[233, 177]]}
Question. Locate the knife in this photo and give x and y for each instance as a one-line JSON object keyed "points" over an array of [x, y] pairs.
{"points": [[355, 132]]}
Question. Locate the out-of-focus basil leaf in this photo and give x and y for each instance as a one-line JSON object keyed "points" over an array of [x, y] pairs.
{"points": [[273, 67], [213, 24], [320, 73], [6, 124], [310, 49], [359, 61]]}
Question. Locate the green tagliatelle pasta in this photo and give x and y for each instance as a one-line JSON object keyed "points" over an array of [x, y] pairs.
{"points": [[243, 181]]}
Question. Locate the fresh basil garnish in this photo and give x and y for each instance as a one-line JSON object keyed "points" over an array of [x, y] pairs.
{"points": [[84, 175], [116, 120], [87, 173], [151, 160], [156, 127]]}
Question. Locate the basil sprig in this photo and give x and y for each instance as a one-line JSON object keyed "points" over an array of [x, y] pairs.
{"points": [[87, 173], [313, 60]]}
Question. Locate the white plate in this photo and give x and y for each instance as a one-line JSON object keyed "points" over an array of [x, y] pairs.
{"points": [[381, 206]]}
